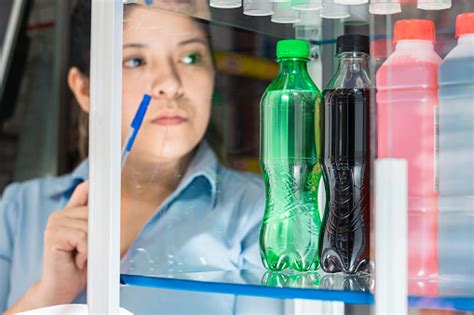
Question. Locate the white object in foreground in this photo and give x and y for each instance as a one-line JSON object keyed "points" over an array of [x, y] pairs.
{"points": [[391, 216], [69, 309]]}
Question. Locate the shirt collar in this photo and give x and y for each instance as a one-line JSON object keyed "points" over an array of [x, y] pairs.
{"points": [[204, 163], [81, 171], [79, 175]]}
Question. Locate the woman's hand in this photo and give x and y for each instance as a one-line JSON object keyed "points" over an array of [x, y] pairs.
{"points": [[64, 274], [65, 249]]}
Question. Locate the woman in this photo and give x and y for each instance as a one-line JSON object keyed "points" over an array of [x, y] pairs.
{"points": [[180, 210]]}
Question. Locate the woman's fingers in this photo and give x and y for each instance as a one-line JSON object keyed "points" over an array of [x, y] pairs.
{"points": [[81, 260], [66, 235], [81, 213], [65, 221], [66, 239], [67, 243], [80, 196]]}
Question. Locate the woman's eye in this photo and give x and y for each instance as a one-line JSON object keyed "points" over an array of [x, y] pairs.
{"points": [[133, 62], [192, 59]]}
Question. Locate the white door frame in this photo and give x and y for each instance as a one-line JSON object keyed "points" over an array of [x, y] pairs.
{"points": [[103, 287]]}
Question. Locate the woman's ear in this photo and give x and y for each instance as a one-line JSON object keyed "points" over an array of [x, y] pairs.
{"points": [[79, 85]]}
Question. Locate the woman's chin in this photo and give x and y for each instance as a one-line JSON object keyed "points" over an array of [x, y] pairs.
{"points": [[169, 152]]}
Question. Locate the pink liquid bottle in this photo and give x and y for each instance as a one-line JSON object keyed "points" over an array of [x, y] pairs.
{"points": [[407, 104]]}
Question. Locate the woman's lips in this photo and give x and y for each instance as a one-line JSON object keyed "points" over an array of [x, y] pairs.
{"points": [[169, 120]]}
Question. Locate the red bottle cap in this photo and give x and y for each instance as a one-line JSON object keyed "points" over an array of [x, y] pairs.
{"points": [[465, 24], [414, 29]]}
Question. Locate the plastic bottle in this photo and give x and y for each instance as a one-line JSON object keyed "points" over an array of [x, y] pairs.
{"points": [[346, 222], [407, 101], [383, 7], [456, 121], [290, 163]]}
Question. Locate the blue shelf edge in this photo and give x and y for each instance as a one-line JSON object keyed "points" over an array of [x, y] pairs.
{"points": [[350, 297]]}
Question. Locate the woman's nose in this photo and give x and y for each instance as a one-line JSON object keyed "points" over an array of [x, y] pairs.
{"points": [[167, 83]]}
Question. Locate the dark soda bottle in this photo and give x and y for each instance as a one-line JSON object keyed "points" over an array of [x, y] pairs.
{"points": [[346, 164]]}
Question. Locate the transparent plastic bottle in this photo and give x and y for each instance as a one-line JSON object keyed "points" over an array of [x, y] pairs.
{"points": [[290, 153], [383, 7], [407, 101], [456, 121], [346, 222]]}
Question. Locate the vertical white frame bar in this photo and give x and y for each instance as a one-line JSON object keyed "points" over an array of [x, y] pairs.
{"points": [[103, 288], [391, 229]]}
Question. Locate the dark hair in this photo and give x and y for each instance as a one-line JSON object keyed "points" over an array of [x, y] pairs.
{"points": [[80, 44], [80, 39]]}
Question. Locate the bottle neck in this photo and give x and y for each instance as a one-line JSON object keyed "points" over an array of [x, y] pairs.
{"points": [[353, 62], [352, 71], [292, 65], [415, 44], [466, 38]]}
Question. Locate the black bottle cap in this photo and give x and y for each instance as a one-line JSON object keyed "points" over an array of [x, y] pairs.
{"points": [[353, 43]]}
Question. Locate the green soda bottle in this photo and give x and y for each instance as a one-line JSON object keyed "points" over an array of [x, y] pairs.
{"points": [[290, 159]]}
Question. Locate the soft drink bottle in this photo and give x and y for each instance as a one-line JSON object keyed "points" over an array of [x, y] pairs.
{"points": [[407, 102], [456, 118], [290, 162], [456, 153], [346, 221]]}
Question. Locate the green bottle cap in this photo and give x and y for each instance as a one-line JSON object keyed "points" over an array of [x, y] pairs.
{"points": [[292, 48]]}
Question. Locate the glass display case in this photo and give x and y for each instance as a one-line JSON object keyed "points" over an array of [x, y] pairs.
{"points": [[175, 120], [243, 38]]}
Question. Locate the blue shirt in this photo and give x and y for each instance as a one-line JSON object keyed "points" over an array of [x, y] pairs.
{"points": [[210, 222]]}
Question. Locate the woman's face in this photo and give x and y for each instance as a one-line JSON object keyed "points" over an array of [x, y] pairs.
{"points": [[166, 55]]}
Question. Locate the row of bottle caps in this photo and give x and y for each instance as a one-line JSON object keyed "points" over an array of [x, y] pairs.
{"points": [[332, 9], [293, 11]]}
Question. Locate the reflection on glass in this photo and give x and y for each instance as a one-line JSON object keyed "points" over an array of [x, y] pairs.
{"points": [[338, 281], [423, 287], [259, 282], [274, 279], [291, 280]]}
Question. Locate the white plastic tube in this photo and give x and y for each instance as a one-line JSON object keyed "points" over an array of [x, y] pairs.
{"points": [[383, 7], [225, 4], [307, 5], [333, 10], [391, 230], [434, 4], [351, 2], [258, 7], [103, 261], [284, 13]]}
